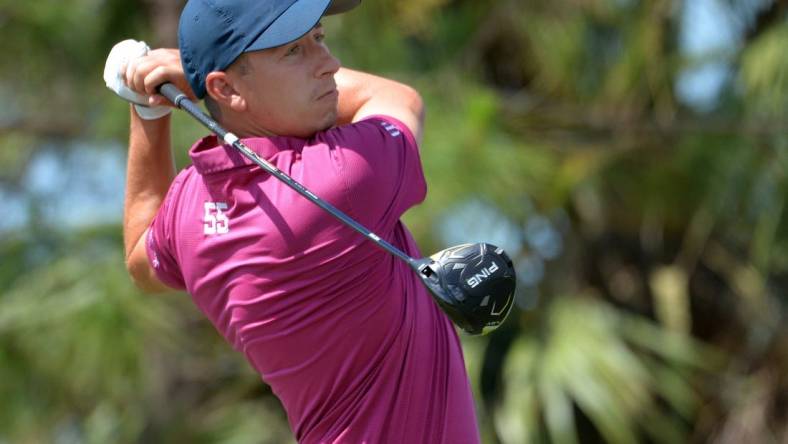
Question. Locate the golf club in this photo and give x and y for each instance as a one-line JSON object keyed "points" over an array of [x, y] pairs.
{"points": [[472, 283]]}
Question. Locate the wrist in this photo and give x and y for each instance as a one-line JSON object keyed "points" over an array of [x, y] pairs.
{"points": [[151, 112], [149, 135], [145, 119]]}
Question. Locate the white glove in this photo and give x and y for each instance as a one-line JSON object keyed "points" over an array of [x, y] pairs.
{"points": [[120, 55]]}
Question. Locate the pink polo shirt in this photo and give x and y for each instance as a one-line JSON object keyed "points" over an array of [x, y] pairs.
{"points": [[343, 332]]}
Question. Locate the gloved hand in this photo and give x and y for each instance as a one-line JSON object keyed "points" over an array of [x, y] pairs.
{"points": [[114, 69]]}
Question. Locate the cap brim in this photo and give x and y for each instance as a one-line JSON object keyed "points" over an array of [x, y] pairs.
{"points": [[296, 21], [340, 6]]}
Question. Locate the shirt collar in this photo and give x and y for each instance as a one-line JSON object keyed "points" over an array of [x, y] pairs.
{"points": [[209, 156]]}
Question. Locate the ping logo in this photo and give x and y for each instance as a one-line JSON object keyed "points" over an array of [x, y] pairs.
{"points": [[390, 128], [478, 278]]}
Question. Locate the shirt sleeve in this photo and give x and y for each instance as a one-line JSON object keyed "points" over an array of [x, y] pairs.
{"points": [[381, 169], [160, 244]]}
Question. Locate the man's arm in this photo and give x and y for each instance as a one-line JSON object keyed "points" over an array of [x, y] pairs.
{"points": [[150, 168], [149, 173], [362, 95]]}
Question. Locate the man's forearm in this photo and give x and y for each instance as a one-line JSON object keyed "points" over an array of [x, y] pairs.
{"points": [[357, 89], [362, 94], [150, 171]]}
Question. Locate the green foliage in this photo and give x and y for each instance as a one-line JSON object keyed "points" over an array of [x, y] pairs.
{"points": [[765, 75], [661, 320], [83, 351], [589, 356]]}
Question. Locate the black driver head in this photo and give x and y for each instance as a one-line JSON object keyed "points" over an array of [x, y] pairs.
{"points": [[473, 284]]}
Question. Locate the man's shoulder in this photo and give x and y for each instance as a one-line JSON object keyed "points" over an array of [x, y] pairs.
{"points": [[184, 175], [376, 127], [181, 183]]}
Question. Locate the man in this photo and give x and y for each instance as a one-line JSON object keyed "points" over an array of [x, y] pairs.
{"points": [[344, 333]]}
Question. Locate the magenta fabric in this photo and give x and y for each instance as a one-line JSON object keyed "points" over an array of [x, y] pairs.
{"points": [[343, 332]]}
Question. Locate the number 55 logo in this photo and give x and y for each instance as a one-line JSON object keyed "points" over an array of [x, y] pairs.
{"points": [[215, 221]]}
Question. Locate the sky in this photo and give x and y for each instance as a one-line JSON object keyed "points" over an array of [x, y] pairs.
{"points": [[706, 28], [94, 177]]}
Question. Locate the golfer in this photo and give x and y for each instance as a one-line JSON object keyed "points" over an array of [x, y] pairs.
{"points": [[344, 333]]}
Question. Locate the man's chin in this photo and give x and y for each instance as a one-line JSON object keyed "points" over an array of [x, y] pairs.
{"points": [[330, 121]]}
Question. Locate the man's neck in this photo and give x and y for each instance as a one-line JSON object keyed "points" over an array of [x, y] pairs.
{"points": [[243, 127]]}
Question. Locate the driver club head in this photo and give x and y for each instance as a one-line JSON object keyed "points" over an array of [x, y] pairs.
{"points": [[473, 283]]}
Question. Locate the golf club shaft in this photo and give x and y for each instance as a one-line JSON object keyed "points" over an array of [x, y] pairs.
{"points": [[180, 100]]}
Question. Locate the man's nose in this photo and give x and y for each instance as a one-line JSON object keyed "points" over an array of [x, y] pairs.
{"points": [[327, 64]]}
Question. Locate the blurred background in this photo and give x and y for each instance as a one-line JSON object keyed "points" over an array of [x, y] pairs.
{"points": [[631, 155]]}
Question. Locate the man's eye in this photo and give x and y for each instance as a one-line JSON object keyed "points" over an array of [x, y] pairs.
{"points": [[320, 37], [294, 50]]}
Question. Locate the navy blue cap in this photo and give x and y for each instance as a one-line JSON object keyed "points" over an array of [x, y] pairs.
{"points": [[213, 33]]}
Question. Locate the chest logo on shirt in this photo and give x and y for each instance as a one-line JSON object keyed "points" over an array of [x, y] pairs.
{"points": [[215, 221], [393, 130]]}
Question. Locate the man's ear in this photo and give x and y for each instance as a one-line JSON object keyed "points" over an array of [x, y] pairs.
{"points": [[220, 87]]}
